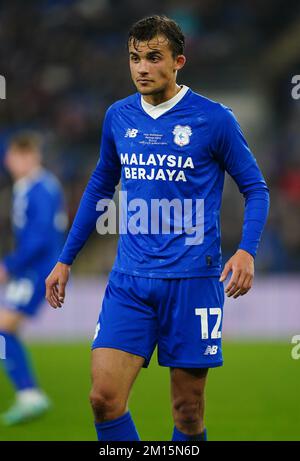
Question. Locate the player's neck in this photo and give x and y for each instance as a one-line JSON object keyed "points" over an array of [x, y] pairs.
{"points": [[159, 98], [30, 174]]}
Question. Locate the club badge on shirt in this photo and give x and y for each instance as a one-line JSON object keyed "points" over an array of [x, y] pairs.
{"points": [[182, 135]]}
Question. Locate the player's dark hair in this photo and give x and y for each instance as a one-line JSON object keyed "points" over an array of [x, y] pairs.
{"points": [[147, 28], [26, 141]]}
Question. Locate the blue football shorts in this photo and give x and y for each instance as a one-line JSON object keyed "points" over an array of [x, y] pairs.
{"points": [[24, 294], [183, 317]]}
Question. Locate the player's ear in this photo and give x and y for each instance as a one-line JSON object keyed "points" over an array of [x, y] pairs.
{"points": [[180, 61]]}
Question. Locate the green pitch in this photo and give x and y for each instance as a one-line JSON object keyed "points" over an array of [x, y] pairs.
{"points": [[254, 396]]}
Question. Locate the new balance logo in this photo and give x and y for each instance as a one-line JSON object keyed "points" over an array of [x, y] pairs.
{"points": [[131, 133], [211, 350]]}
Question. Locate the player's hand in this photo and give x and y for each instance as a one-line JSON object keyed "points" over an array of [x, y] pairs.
{"points": [[3, 274], [56, 284], [241, 264]]}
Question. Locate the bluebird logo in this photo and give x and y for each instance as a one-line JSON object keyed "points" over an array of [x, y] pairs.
{"points": [[2, 87], [182, 135], [2, 348]]}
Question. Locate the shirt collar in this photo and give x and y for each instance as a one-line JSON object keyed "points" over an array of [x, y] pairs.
{"points": [[24, 183], [160, 109]]}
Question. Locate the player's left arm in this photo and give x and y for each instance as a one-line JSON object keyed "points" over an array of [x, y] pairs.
{"points": [[234, 155]]}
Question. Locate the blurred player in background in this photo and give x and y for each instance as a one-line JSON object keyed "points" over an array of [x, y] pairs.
{"points": [[39, 221], [164, 142]]}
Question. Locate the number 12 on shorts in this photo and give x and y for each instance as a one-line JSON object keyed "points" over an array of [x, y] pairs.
{"points": [[204, 313]]}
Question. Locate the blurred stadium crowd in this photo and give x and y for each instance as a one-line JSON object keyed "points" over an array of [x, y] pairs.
{"points": [[65, 62]]}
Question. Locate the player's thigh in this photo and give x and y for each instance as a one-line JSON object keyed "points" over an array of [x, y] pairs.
{"points": [[127, 320], [187, 385], [10, 320], [190, 323], [114, 372]]}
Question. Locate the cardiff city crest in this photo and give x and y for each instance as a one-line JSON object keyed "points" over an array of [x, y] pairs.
{"points": [[182, 135]]}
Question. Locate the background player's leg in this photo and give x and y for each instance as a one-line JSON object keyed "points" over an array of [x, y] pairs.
{"points": [[17, 365], [113, 374], [30, 400], [187, 396]]}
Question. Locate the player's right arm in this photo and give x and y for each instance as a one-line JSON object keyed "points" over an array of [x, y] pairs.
{"points": [[56, 283], [101, 185]]}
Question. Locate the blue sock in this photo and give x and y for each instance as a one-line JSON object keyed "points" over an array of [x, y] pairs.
{"points": [[16, 363], [181, 437], [118, 429]]}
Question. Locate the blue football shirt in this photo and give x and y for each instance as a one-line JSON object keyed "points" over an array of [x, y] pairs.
{"points": [[39, 223], [171, 160]]}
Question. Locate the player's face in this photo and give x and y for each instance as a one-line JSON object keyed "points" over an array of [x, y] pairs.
{"points": [[153, 67], [21, 163]]}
